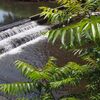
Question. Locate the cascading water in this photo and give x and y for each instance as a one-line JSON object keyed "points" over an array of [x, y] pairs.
{"points": [[17, 30], [35, 52], [16, 38], [21, 42]]}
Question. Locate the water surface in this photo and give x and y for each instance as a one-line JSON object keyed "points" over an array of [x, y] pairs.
{"points": [[11, 11]]}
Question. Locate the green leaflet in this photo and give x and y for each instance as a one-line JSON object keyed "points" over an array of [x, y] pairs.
{"points": [[17, 88], [98, 29], [86, 27], [63, 36], [71, 37], [51, 34], [57, 84], [78, 35], [56, 36], [93, 32]]}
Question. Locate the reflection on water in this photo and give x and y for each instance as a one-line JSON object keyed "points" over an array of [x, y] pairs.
{"points": [[11, 11], [3, 14], [6, 17]]}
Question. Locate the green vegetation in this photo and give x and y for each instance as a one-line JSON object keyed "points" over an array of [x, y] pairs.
{"points": [[79, 26], [79, 33], [44, 82]]}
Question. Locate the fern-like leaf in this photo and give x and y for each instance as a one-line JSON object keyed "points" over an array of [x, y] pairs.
{"points": [[30, 71], [88, 28], [17, 88]]}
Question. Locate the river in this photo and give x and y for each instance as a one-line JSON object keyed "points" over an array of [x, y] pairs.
{"points": [[11, 11]]}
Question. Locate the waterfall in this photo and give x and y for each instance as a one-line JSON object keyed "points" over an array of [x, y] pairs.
{"points": [[17, 36], [24, 42], [34, 52], [17, 30]]}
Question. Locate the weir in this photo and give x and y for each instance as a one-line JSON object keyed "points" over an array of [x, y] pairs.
{"points": [[21, 41], [34, 52], [18, 39]]}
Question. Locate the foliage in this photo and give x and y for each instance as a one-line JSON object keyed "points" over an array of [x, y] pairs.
{"points": [[75, 35], [44, 81], [80, 33], [70, 98]]}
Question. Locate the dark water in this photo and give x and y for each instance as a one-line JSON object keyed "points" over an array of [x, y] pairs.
{"points": [[11, 11]]}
